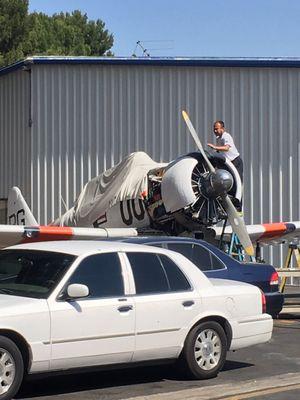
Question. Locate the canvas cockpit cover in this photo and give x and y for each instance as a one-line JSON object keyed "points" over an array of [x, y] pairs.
{"points": [[127, 180]]}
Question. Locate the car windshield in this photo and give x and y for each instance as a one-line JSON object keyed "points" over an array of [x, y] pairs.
{"points": [[32, 273]]}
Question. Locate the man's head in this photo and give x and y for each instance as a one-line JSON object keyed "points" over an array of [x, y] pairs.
{"points": [[219, 128]]}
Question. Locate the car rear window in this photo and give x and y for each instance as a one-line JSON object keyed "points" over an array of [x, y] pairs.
{"points": [[177, 280], [156, 273], [149, 275]]}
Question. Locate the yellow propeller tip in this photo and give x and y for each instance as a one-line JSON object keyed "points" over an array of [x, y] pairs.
{"points": [[250, 250], [185, 115]]}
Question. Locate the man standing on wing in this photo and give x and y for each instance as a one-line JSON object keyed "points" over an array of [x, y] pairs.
{"points": [[225, 144]]}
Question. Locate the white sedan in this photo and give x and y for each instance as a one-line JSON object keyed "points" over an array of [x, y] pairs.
{"points": [[76, 304]]}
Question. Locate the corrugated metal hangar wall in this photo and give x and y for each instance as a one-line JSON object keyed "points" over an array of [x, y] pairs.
{"points": [[63, 121]]}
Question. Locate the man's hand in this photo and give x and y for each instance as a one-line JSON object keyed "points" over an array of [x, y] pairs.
{"points": [[218, 148], [211, 145]]}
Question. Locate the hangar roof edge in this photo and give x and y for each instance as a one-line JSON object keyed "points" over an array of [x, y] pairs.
{"points": [[246, 62]]}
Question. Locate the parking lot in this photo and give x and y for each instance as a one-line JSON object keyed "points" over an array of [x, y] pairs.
{"points": [[260, 372]]}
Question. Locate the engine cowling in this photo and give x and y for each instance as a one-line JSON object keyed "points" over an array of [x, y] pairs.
{"points": [[188, 186]]}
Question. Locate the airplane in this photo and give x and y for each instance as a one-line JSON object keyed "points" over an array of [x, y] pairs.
{"points": [[190, 194]]}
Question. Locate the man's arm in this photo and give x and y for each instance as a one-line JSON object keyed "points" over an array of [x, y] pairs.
{"points": [[226, 147]]}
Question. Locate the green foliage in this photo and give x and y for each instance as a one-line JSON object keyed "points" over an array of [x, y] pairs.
{"points": [[13, 29], [23, 34]]}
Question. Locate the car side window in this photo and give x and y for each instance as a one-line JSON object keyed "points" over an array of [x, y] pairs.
{"points": [[177, 280], [195, 253], [102, 274], [216, 262], [148, 273], [201, 257], [183, 248]]}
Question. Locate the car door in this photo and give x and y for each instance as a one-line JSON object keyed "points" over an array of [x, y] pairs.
{"points": [[98, 329], [165, 305]]}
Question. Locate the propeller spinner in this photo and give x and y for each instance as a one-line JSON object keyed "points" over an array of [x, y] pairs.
{"points": [[217, 183]]}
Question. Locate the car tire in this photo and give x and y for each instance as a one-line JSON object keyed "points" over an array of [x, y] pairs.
{"points": [[275, 316], [11, 368], [204, 351]]}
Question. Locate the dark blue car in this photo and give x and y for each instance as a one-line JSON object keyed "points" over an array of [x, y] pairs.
{"points": [[217, 264]]}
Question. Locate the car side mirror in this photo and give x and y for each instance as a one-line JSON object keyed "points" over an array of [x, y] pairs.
{"points": [[77, 291]]}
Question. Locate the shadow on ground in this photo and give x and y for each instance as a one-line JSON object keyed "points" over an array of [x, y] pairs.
{"points": [[68, 383]]}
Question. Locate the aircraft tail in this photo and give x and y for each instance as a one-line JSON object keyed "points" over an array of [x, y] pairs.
{"points": [[18, 212]]}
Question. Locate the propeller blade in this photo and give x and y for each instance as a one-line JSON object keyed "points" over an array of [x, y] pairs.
{"points": [[237, 222], [197, 140], [238, 225]]}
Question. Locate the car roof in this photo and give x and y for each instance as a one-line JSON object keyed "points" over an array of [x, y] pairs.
{"points": [[78, 247], [174, 239], [180, 239], [156, 238], [86, 247]]}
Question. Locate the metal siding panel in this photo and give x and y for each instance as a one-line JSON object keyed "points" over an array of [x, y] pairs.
{"points": [[88, 117], [15, 132]]}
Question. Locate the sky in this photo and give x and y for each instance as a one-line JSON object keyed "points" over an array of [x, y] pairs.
{"points": [[192, 28]]}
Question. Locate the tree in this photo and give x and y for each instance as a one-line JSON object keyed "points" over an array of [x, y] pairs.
{"points": [[23, 34], [13, 29], [67, 34]]}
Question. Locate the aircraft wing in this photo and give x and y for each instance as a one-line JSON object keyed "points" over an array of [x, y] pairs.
{"points": [[268, 234], [17, 234]]}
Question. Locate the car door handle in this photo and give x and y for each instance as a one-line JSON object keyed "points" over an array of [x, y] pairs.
{"points": [[188, 303], [125, 308]]}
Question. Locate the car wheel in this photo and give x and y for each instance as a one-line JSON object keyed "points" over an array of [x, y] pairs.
{"points": [[11, 368], [275, 316], [204, 352]]}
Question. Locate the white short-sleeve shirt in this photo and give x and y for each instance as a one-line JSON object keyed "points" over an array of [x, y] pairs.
{"points": [[226, 140]]}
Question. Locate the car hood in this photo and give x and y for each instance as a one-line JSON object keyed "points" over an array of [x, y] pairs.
{"points": [[14, 305]]}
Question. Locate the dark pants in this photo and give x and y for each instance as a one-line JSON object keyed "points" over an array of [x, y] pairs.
{"points": [[238, 163]]}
